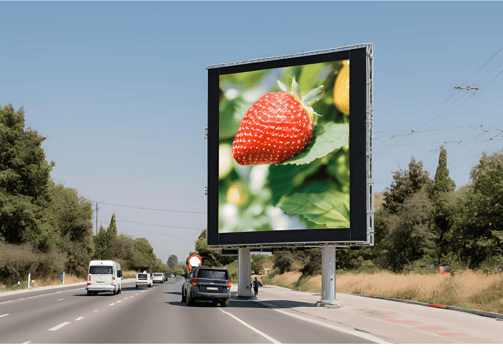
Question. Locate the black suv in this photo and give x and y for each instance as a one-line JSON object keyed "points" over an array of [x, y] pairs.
{"points": [[208, 284]]}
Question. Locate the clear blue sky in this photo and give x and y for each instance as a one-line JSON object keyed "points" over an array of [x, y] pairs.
{"points": [[120, 89]]}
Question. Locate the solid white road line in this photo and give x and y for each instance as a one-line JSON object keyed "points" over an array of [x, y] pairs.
{"points": [[5, 302], [355, 333], [79, 318], [251, 327], [25, 343], [59, 326], [3, 315]]}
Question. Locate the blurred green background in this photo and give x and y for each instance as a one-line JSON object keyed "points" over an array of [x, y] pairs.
{"points": [[307, 192]]}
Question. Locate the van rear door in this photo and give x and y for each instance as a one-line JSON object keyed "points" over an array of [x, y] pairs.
{"points": [[101, 275]]}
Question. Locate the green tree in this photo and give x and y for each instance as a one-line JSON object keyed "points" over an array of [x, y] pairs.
{"points": [[405, 184], [24, 183], [209, 257], [441, 195], [478, 224], [105, 239], [256, 263], [145, 259], [172, 261]]}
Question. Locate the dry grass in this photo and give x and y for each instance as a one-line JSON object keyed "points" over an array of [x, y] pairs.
{"points": [[288, 279], [69, 279], [467, 289], [267, 264]]}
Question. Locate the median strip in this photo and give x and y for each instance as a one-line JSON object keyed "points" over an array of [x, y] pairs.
{"points": [[59, 326]]}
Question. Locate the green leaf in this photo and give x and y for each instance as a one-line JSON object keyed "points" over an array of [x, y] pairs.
{"points": [[282, 86], [309, 77], [296, 90], [284, 178], [329, 208], [327, 138], [313, 96], [228, 125]]}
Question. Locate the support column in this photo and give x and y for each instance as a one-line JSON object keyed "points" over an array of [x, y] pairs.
{"points": [[328, 278], [244, 274]]}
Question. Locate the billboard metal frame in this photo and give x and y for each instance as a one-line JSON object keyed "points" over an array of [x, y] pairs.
{"points": [[361, 231]]}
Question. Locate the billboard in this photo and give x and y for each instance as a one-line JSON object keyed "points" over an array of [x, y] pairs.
{"points": [[289, 150]]}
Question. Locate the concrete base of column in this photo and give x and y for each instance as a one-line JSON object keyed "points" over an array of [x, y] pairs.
{"points": [[327, 304]]}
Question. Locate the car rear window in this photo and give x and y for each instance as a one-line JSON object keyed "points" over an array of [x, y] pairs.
{"points": [[213, 274], [101, 269], [142, 276], [157, 274]]}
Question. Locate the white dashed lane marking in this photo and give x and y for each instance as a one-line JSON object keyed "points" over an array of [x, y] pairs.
{"points": [[60, 299], [79, 318], [59, 326], [112, 304], [95, 310], [25, 343], [1, 316], [251, 327]]}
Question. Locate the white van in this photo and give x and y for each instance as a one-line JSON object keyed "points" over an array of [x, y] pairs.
{"points": [[144, 278], [104, 276]]}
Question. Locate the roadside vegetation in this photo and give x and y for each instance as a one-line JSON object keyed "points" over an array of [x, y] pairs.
{"points": [[420, 224], [45, 227]]}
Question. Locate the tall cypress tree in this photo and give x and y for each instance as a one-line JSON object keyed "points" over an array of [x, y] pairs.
{"points": [[439, 195]]}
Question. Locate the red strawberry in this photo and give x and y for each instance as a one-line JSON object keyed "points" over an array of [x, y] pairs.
{"points": [[277, 127]]}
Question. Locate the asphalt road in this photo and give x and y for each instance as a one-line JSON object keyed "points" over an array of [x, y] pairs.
{"points": [[150, 315]]}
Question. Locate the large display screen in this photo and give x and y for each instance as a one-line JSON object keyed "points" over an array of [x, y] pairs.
{"points": [[286, 151]]}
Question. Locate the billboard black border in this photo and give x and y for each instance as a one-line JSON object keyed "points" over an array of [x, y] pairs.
{"points": [[357, 157]]}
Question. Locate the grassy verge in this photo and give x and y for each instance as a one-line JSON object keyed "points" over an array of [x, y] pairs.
{"points": [[465, 289], [69, 279]]}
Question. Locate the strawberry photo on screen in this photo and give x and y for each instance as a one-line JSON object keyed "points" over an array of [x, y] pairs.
{"points": [[284, 148]]}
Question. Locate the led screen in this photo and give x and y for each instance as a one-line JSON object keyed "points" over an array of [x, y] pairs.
{"points": [[281, 150]]}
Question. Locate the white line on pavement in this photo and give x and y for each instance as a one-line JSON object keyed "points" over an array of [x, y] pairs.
{"points": [[79, 318], [60, 299], [251, 327], [355, 333], [95, 310], [3, 315], [5, 302], [118, 302], [59, 326], [25, 343], [112, 304]]}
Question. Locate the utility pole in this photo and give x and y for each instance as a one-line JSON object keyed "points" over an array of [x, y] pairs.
{"points": [[96, 218]]}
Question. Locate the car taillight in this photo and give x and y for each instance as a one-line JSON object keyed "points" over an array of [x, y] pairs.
{"points": [[194, 282], [229, 284], [89, 278], [113, 278]]}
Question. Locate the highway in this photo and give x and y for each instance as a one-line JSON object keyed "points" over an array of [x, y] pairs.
{"points": [[150, 315]]}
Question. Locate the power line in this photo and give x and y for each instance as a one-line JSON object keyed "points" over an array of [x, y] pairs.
{"points": [[174, 211], [174, 227], [483, 66]]}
